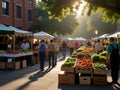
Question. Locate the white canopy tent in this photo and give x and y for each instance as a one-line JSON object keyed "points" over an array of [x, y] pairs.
{"points": [[69, 38], [80, 39], [12, 30], [5, 30], [115, 35], [42, 35], [103, 36], [19, 31]]}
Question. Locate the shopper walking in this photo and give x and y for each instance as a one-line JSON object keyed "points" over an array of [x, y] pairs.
{"points": [[64, 49], [42, 52], [56, 50], [113, 58], [51, 54]]}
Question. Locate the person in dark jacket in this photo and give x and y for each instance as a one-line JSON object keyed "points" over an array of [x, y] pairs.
{"points": [[113, 59]]}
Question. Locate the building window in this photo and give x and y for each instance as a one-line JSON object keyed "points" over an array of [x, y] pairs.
{"points": [[18, 12], [5, 8], [29, 15]]}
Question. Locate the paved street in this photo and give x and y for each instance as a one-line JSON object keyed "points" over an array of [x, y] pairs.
{"points": [[31, 78]]}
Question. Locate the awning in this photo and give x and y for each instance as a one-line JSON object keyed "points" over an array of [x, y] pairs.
{"points": [[12, 30], [80, 39], [42, 35], [5, 30]]}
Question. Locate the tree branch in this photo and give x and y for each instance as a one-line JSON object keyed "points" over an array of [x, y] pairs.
{"points": [[100, 3]]}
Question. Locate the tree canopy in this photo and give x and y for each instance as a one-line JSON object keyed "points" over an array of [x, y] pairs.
{"points": [[67, 26], [58, 9]]}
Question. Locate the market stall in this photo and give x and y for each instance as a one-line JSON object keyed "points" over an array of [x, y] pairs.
{"points": [[11, 56], [43, 35], [85, 67]]}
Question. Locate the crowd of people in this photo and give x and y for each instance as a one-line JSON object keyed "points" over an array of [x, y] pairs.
{"points": [[50, 50]]}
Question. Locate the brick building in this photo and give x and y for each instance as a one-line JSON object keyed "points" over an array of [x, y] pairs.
{"points": [[17, 13]]}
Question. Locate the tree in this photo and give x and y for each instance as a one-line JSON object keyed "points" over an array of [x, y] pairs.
{"points": [[67, 26], [60, 8], [88, 26]]}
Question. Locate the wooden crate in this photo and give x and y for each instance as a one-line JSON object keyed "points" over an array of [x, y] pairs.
{"points": [[83, 70], [13, 65], [23, 63], [66, 78], [85, 79], [99, 79], [2, 65], [67, 69], [95, 71]]}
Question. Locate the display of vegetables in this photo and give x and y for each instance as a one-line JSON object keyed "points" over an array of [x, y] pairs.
{"points": [[2, 51], [81, 48], [13, 52], [103, 53], [85, 62], [24, 51], [69, 62], [80, 55], [98, 58], [99, 66], [74, 54], [86, 57]]}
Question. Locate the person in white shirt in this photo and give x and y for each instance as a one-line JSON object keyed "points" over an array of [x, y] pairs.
{"points": [[98, 46], [25, 45]]}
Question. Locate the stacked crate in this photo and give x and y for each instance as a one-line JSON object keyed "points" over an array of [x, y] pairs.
{"points": [[84, 73], [2, 65], [99, 77], [85, 79], [13, 65], [99, 73], [66, 75], [23, 63], [66, 78]]}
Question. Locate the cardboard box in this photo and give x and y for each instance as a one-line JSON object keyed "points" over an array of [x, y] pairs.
{"points": [[23, 63], [85, 79], [2, 65], [67, 69], [99, 79], [66, 78], [83, 70], [13, 65]]}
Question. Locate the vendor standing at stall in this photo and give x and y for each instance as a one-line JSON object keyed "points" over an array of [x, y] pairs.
{"points": [[25, 45]]}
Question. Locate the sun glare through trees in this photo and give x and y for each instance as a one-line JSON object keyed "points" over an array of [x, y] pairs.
{"points": [[81, 7]]}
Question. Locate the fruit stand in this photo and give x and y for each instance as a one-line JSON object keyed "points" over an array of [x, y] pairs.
{"points": [[10, 57], [84, 66]]}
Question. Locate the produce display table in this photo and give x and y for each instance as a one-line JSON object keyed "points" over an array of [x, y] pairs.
{"points": [[16, 55], [16, 61], [84, 67]]}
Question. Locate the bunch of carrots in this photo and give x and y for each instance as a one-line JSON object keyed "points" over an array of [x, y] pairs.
{"points": [[85, 62]]}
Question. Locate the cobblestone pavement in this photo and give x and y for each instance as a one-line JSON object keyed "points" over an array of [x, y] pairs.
{"points": [[31, 78]]}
